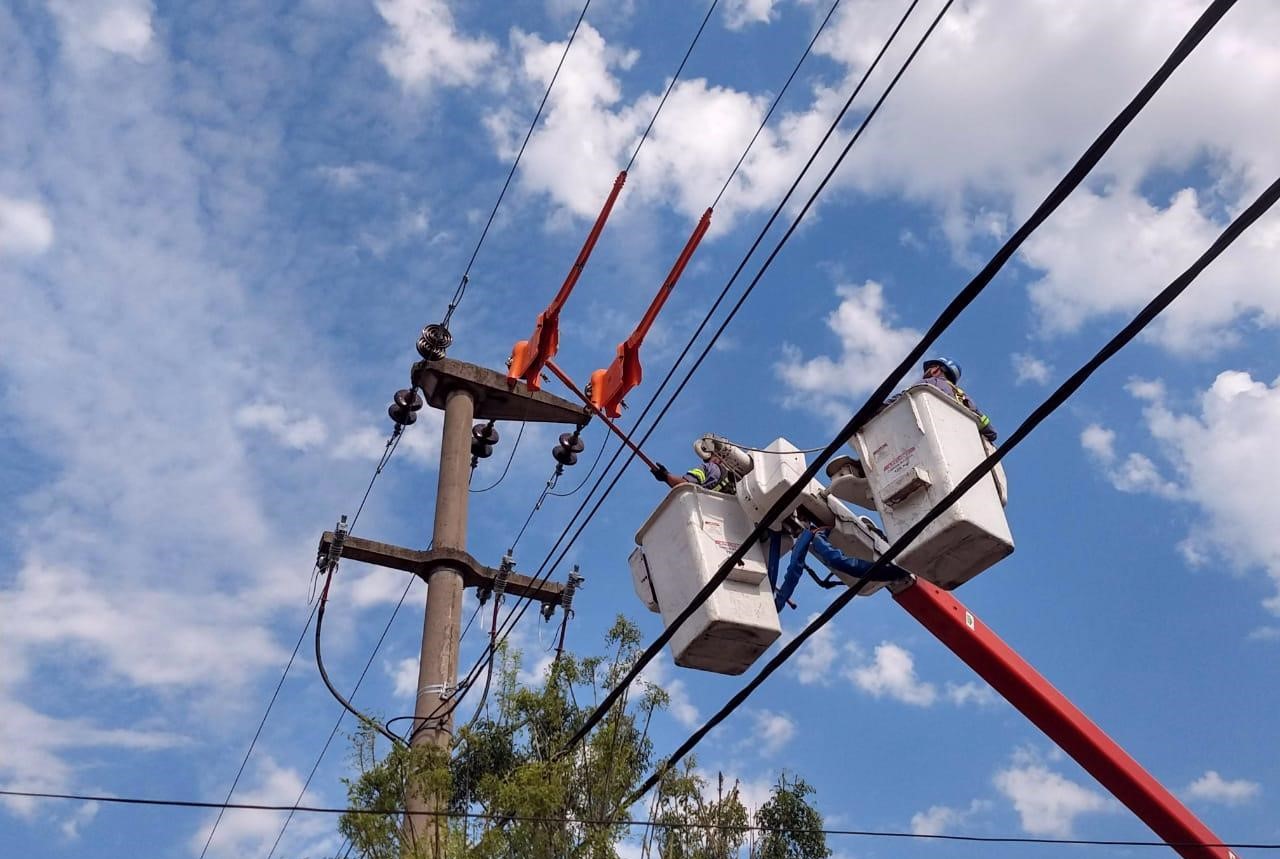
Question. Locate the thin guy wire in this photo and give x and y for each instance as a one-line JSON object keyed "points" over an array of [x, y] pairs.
{"points": [[537, 505], [1073, 178], [462, 284], [544, 572], [521, 818], [387, 451], [341, 715], [256, 734], [671, 85], [1051, 404], [776, 100]]}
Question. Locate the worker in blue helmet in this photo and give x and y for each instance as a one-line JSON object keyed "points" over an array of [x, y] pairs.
{"points": [[944, 374]]}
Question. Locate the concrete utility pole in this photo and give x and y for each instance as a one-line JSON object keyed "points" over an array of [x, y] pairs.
{"points": [[465, 392]]}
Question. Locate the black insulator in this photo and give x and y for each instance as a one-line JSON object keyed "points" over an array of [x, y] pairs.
{"points": [[487, 433], [572, 441], [480, 450], [409, 398], [564, 455], [434, 341], [402, 415]]}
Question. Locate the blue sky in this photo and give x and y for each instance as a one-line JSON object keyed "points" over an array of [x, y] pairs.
{"points": [[223, 224]]}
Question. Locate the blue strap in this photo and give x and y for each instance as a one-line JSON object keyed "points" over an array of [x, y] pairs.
{"points": [[837, 561], [794, 570], [775, 557]]}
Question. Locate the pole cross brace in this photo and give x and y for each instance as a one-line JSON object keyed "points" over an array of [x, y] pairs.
{"points": [[422, 563]]}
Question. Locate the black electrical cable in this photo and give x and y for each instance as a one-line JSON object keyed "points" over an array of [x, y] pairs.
{"points": [[261, 724], [387, 451], [338, 722], [520, 818], [671, 85], [794, 71], [544, 571], [462, 284], [963, 299], [507, 467], [1144, 318]]}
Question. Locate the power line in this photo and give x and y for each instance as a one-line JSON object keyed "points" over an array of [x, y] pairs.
{"points": [[671, 85], [1144, 318], [462, 284], [794, 71], [628, 822], [388, 450], [544, 571], [963, 299], [341, 715]]}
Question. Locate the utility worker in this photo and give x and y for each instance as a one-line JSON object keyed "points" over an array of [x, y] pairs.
{"points": [[709, 475], [944, 374]]}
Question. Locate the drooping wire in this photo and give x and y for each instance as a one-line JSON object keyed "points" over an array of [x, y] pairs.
{"points": [[574, 490], [769, 113], [517, 818], [338, 722], [671, 85], [507, 467], [545, 569], [462, 284], [1051, 404], [388, 449], [963, 299]]}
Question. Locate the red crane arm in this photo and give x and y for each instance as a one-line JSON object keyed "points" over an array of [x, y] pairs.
{"points": [[609, 386], [1023, 687], [528, 357]]}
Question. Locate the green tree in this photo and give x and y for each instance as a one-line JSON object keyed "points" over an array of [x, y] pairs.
{"points": [[792, 828], [512, 794]]}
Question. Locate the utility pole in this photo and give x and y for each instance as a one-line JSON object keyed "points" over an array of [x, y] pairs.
{"points": [[465, 393]]}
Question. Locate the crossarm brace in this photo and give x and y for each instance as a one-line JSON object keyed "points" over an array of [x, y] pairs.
{"points": [[423, 563]]}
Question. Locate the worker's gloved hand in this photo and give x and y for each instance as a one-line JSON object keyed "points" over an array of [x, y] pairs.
{"points": [[659, 471]]}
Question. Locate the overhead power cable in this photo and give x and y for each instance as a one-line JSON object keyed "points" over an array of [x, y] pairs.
{"points": [[520, 818], [671, 85], [963, 299], [546, 567], [461, 289], [388, 450], [341, 714], [1144, 318]]}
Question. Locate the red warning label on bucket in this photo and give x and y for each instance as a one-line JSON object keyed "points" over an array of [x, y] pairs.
{"points": [[713, 527]]}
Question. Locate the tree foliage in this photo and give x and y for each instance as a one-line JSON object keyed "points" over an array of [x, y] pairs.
{"points": [[511, 793]]}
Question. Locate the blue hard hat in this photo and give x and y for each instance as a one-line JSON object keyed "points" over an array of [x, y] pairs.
{"points": [[950, 368]]}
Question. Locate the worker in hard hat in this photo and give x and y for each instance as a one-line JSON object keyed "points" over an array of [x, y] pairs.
{"points": [[714, 473], [944, 374]]}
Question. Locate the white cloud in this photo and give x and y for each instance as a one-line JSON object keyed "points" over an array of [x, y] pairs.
{"points": [[25, 228], [870, 347], [115, 26], [243, 832], [740, 13], [943, 819], [681, 707], [1047, 803], [1212, 787], [813, 662], [978, 694], [771, 732], [297, 431], [347, 177], [1028, 368], [891, 674], [77, 820], [425, 49], [1237, 420], [404, 674]]}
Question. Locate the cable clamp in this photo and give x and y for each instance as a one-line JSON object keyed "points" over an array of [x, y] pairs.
{"points": [[444, 690], [335, 547]]}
